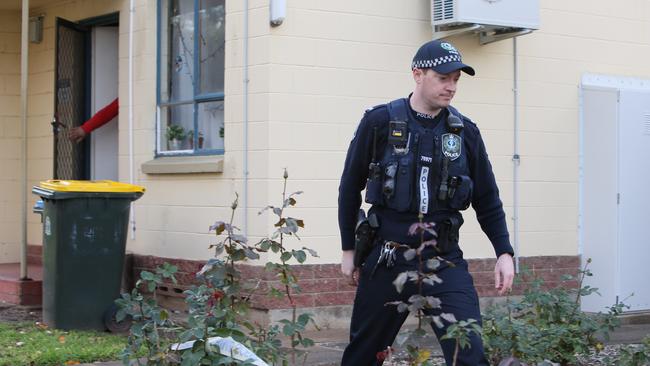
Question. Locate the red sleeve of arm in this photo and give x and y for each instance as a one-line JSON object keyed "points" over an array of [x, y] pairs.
{"points": [[101, 117]]}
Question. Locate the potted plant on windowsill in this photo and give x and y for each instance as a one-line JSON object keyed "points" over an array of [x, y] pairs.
{"points": [[190, 137], [175, 136]]}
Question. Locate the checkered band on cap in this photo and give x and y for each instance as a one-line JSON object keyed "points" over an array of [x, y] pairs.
{"points": [[426, 64]]}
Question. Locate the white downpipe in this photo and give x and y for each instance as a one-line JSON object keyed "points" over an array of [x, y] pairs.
{"points": [[131, 15], [24, 54], [245, 121], [515, 157]]}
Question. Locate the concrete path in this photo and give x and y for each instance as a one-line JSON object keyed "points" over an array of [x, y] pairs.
{"points": [[330, 343]]}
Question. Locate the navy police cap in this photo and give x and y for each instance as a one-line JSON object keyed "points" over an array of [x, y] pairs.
{"points": [[441, 56]]}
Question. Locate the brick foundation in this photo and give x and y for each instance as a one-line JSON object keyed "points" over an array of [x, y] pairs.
{"points": [[35, 254], [323, 285]]}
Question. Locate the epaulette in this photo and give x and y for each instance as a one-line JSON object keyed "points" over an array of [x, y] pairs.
{"points": [[375, 107]]}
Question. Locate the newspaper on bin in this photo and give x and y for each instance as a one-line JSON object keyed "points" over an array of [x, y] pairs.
{"points": [[227, 347]]}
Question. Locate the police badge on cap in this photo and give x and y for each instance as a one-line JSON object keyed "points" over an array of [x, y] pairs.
{"points": [[440, 56], [451, 146]]}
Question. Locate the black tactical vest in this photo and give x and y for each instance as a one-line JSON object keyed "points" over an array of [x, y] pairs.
{"points": [[421, 170]]}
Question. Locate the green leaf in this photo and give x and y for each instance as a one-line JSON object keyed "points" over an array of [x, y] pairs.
{"points": [[303, 319], [167, 271], [238, 255], [120, 315], [299, 255], [265, 244], [285, 256], [274, 292], [147, 276], [288, 330]]}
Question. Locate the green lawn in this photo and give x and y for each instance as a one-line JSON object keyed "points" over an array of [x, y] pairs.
{"points": [[32, 344]]}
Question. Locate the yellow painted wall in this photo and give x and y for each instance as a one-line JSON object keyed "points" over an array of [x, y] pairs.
{"points": [[310, 80], [10, 136]]}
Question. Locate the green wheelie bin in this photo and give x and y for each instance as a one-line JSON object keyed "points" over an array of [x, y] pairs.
{"points": [[85, 225]]}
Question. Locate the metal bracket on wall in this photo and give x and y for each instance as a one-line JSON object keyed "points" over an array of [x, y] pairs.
{"points": [[499, 34], [444, 32]]}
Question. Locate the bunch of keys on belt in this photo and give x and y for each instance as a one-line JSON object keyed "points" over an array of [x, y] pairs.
{"points": [[387, 255]]}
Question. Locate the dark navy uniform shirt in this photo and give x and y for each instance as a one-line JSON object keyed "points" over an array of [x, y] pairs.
{"points": [[485, 199]]}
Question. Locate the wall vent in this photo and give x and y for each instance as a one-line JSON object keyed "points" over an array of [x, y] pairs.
{"points": [[646, 123], [442, 10]]}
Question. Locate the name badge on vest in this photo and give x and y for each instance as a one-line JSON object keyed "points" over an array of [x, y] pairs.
{"points": [[451, 146]]}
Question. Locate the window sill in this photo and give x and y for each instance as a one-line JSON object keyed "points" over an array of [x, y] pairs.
{"points": [[184, 165]]}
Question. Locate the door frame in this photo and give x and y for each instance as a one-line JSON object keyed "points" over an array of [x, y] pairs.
{"points": [[84, 25]]}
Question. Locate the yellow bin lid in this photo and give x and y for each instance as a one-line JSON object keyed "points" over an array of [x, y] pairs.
{"points": [[90, 186]]}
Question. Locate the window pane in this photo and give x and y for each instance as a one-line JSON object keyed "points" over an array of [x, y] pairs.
{"points": [[177, 50], [212, 18], [211, 125], [163, 45], [175, 123]]}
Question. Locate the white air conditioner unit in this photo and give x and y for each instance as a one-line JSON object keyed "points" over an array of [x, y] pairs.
{"points": [[492, 19]]}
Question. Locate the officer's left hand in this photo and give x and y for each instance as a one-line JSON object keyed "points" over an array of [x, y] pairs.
{"points": [[504, 273]]}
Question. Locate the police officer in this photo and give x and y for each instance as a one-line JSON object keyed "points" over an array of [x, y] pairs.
{"points": [[419, 157]]}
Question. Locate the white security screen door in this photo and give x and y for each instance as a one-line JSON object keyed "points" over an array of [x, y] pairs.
{"points": [[634, 188], [599, 187]]}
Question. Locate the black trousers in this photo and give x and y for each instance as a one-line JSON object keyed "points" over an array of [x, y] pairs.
{"points": [[375, 325]]}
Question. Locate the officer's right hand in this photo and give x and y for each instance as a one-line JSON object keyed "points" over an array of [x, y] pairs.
{"points": [[76, 134], [347, 267]]}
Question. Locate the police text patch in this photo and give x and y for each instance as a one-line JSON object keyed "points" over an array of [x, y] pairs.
{"points": [[451, 145]]}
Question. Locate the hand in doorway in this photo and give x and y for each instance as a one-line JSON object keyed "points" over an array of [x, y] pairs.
{"points": [[77, 134], [100, 118]]}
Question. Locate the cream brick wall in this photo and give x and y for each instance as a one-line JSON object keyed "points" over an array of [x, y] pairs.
{"points": [[10, 136], [330, 60], [575, 38], [309, 81]]}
